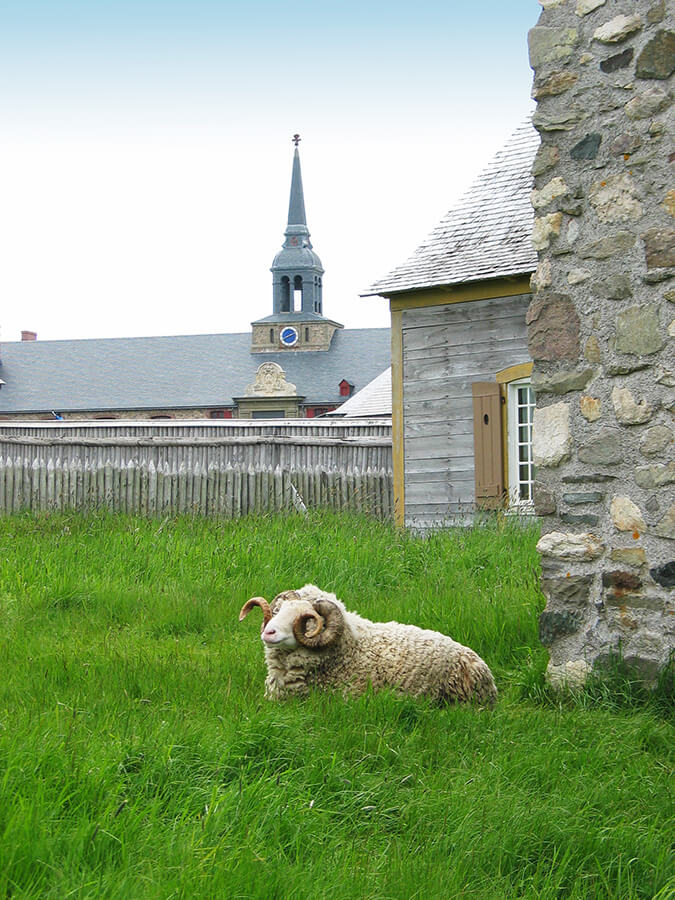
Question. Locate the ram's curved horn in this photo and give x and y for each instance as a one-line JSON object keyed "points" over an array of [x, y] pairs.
{"points": [[329, 625], [256, 601]]}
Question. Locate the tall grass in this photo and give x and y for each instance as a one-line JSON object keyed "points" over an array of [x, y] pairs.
{"points": [[139, 760]]}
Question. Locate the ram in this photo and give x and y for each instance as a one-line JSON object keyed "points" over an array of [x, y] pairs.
{"points": [[311, 640]]}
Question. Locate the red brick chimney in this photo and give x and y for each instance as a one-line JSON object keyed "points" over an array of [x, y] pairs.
{"points": [[29, 335]]}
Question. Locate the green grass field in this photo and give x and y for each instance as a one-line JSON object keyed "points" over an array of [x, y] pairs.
{"points": [[138, 758]]}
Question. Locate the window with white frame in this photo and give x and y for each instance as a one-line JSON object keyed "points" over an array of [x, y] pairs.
{"points": [[520, 401]]}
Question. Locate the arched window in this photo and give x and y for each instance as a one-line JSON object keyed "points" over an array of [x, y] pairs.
{"points": [[271, 335], [297, 293], [285, 304]]}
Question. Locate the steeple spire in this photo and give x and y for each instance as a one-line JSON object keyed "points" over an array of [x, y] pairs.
{"points": [[296, 204], [297, 270]]}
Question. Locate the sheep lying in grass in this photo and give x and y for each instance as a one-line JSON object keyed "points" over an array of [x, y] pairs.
{"points": [[312, 640]]}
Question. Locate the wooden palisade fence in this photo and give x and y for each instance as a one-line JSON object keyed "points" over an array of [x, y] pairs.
{"points": [[186, 468]]}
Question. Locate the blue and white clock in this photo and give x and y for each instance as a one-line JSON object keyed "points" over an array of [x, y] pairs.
{"points": [[288, 336]]}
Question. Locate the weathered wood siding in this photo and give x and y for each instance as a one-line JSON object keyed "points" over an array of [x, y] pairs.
{"points": [[224, 469], [446, 349]]}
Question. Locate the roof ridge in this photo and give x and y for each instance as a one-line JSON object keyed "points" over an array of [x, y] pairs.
{"points": [[495, 212]]}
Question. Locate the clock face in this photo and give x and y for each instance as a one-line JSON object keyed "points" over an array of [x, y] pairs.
{"points": [[289, 336]]}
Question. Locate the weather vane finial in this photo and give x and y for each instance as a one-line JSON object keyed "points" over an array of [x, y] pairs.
{"points": [[296, 139]]}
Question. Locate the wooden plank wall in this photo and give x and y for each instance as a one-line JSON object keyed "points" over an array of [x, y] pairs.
{"points": [[445, 349], [225, 469]]}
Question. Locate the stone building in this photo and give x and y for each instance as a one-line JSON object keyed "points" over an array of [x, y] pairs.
{"points": [[601, 333], [294, 363]]}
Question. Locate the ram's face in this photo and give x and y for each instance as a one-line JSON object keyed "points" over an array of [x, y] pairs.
{"points": [[290, 622], [286, 611]]}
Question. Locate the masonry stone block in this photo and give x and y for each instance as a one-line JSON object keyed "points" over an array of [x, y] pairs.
{"points": [[606, 247], [591, 408], [656, 13], [629, 556], [592, 351], [617, 29], [626, 144], [659, 247], [550, 45], [587, 147], [584, 7], [570, 546], [614, 287], [545, 228], [554, 328], [638, 332], [647, 103], [652, 477], [551, 437], [626, 515], [570, 675], [554, 624], [615, 199], [547, 157], [617, 61], [562, 382], [554, 84], [604, 448], [570, 591], [544, 500], [657, 59], [665, 574], [628, 411], [568, 518], [556, 187], [666, 527], [654, 440]]}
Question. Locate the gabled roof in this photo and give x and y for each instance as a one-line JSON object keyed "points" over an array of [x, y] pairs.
{"points": [[372, 400], [486, 235], [182, 372]]}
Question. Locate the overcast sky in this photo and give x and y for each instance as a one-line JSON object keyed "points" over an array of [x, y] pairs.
{"points": [[145, 149]]}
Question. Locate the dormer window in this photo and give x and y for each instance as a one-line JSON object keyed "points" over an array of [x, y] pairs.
{"points": [[346, 388]]}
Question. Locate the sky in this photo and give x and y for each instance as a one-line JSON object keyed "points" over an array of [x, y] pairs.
{"points": [[145, 150]]}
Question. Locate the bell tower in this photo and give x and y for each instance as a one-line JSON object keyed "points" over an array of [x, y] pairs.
{"points": [[297, 321]]}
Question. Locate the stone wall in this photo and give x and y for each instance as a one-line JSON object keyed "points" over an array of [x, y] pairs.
{"points": [[601, 332]]}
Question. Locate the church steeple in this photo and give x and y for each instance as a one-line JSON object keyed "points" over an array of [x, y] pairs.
{"points": [[297, 270], [297, 322]]}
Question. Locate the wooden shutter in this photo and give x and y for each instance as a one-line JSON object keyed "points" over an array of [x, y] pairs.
{"points": [[487, 443]]}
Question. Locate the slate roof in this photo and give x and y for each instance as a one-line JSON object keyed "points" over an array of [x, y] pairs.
{"points": [[181, 372], [486, 235], [372, 400]]}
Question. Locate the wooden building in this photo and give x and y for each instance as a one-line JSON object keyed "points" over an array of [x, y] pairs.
{"points": [[462, 404]]}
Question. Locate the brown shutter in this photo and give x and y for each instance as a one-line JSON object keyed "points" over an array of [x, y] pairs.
{"points": [[487, 443]]}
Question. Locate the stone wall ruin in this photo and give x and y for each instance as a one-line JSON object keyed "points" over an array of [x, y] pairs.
{"points": [[601, 329]]}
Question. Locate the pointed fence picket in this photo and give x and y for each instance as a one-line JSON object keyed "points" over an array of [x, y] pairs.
{"points": [[183, 479]]}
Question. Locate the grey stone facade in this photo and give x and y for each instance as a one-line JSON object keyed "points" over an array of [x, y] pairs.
{"points": [[601, 333]]}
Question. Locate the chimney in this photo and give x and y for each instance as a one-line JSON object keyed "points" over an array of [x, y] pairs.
{"points": [[29, 335]]}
